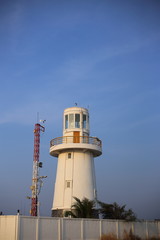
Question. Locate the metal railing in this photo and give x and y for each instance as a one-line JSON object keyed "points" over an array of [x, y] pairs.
{"points": [[76, 139]]}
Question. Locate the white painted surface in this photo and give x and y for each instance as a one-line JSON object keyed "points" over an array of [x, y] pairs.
{"points": [[76, 110], [77, 171], [95, 149], [8, 227], [45, 228]]}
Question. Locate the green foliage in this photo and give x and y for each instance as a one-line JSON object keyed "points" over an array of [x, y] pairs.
{"points": [[85, 208], [82, 208], [115, 211]]}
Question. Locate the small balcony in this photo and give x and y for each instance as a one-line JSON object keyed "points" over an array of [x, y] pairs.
{"points": [[92, 144]]}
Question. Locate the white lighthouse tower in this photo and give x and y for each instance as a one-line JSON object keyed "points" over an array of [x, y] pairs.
{"points": [[75, 170]]}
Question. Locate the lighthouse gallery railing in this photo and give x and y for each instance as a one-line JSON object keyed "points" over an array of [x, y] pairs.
{"points": [[76, 139]]}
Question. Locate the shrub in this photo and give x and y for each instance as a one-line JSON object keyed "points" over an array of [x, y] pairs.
{"points": [[154, 238], [130, 236], [126, 236]]}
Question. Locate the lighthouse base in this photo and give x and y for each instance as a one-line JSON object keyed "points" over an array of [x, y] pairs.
{"points": [[61, 213], [57, 213]]}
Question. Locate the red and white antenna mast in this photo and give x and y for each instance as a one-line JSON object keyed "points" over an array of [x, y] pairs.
{"points": [[36, 179]]}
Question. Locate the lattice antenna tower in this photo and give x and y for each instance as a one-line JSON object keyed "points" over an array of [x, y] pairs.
{"points": [[36, 179]]}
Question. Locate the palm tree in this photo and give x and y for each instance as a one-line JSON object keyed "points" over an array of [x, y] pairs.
{"points": [[84, 208], [115, 211]]}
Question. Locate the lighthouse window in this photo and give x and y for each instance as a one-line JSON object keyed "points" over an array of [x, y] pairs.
{"points": [[77, 120], [69, 155], [66, 121], [68, 184], [84, 121], [71, 120]]}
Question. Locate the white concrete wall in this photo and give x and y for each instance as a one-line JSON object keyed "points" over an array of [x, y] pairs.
{"points": [[8, 227], [44, 228]]}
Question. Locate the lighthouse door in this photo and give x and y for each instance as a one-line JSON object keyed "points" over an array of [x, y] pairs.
{"points": [[76, 138]]}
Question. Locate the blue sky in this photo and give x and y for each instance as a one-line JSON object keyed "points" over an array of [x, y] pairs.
{"points": [[104, 55]]}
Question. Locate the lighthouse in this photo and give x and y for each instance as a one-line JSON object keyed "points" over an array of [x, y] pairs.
{"points": [[75, 150]]}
